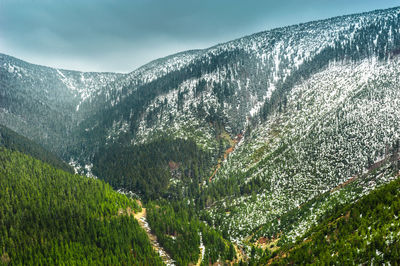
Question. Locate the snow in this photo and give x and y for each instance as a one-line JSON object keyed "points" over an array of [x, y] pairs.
{"points": [[371, 118], [74, 165], [85, 86]]}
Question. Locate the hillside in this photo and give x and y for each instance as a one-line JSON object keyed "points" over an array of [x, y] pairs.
{"points": [[13, 141], [335, 126], [50, 217], [43, 103], [239, 85]]}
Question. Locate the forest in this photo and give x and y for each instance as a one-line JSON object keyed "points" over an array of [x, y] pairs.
{"points": [[202, 204], [49, 216], [148, 168]]}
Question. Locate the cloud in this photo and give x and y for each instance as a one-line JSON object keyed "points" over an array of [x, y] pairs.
{"points": [[109, 35]]}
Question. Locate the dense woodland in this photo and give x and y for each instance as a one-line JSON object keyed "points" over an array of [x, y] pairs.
{"points": [[147, 169], [48, 216], [57, 221]]}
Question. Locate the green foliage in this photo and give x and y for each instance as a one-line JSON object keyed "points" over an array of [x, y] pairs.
{"points": [[13, 141], [48, 216]]}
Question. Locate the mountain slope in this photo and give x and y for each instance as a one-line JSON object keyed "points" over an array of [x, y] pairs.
{"points": [[52, 217], [300, 113], [231, 81], [335, 126], [182, 93], [12, 141], [43, 103], [226, 85]]}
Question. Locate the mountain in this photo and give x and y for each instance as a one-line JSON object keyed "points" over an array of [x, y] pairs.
{"points": [[44, 104], [308, 99], [261, 136]]}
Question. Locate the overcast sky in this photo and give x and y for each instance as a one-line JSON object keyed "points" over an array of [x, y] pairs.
{"points": [[111, 35]]}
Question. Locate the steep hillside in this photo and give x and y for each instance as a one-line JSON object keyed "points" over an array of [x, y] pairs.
{"points": [[334, 127], [230, 82], [225, 87], [194, 93], [51, 217], [362, 232], [13, 141]]}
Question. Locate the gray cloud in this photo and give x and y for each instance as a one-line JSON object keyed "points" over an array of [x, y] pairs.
{"points": [[110, 35]]}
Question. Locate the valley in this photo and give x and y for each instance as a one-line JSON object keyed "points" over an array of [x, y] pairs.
{"points": [[280, 147]]}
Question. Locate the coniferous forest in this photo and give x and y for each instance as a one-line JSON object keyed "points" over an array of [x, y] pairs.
{"points": [[49, 216]]}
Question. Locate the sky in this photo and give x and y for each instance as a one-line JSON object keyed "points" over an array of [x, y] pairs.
{"points": [[122, 35]]}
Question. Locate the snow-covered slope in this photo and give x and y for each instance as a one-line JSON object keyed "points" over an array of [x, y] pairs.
{"points": [[43, 103], [81, 85], [46, 104], [335, 126], [156, 69]]}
